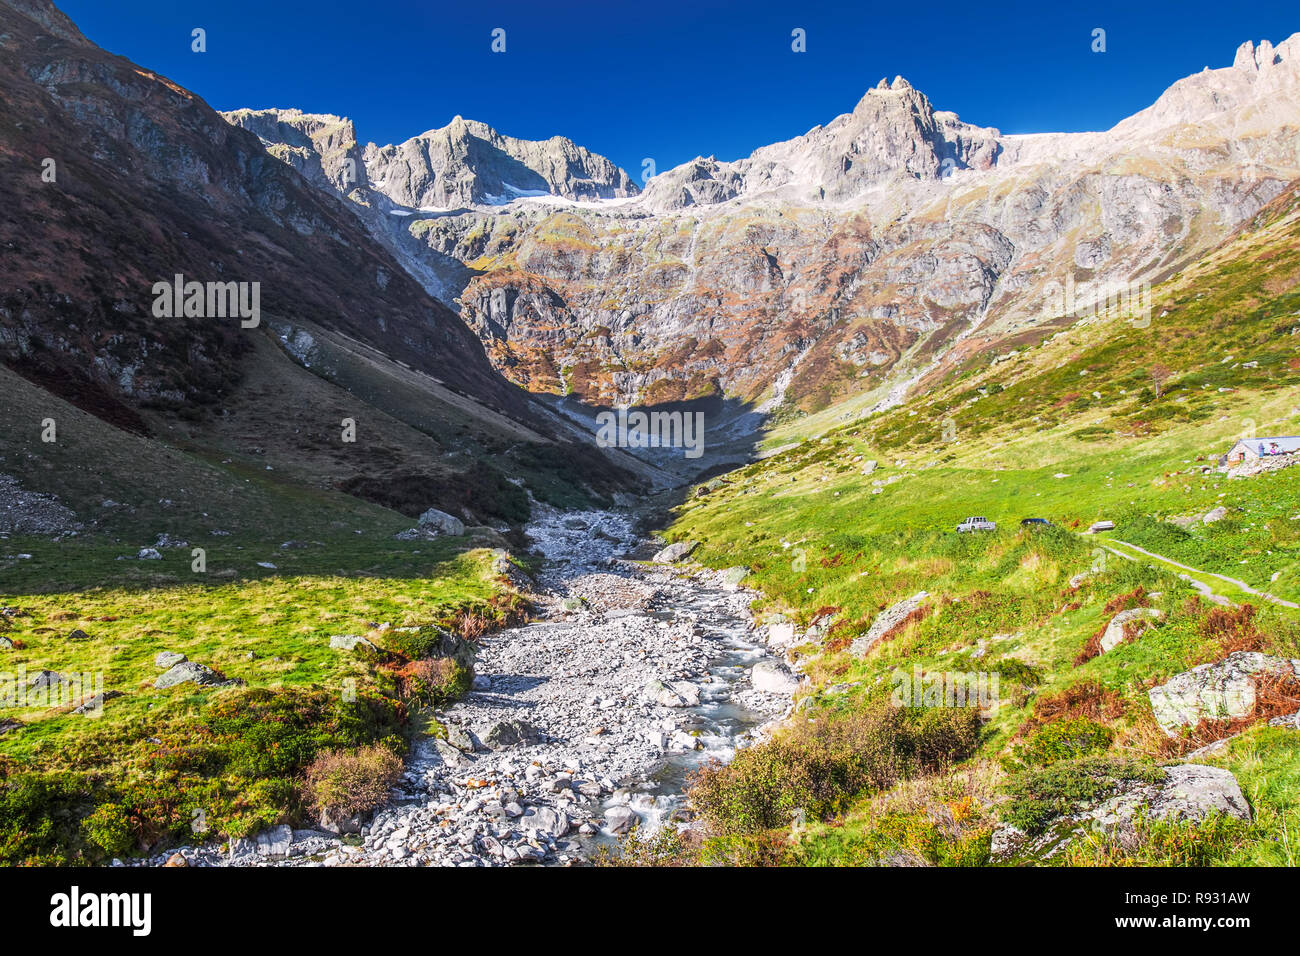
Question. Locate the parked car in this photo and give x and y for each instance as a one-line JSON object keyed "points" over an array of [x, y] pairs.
{"points": [[1101, 526], [976, 524], [1033, 522]]}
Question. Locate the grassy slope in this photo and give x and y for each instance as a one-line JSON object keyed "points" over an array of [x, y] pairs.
{"points": [[76, 788], [990, 438]]}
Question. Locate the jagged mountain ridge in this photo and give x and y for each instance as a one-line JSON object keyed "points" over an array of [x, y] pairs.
{"points": [[850, 259]]}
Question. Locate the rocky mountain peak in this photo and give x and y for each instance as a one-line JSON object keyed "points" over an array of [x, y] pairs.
{"points": [[321, 146], [468, 163]]}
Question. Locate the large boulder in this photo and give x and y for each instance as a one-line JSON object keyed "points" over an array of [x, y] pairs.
{"points": [[1189, 792], [551, 821], [781, 633], [188, 672], [678, 693], [771, 678], [511, 733], [1223, 690], [1140, 618], [441, 522], [275, 842], [1185, 793], [675, 552], [621, 819], [885, 622]]}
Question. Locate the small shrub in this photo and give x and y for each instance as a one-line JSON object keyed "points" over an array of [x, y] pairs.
{"points": [[1064, 740], [346, 783], [1231, 629], [109, 828], [434, 682], [816, 768]]}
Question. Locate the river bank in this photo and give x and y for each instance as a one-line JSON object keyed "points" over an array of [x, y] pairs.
{"points": [[582, 723]]}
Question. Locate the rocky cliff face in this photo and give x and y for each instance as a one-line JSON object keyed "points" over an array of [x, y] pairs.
{"points": [[849, 260], [467, 163], [121, 179]]}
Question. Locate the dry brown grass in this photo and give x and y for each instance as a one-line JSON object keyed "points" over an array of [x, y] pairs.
{"points": [[1085, 699]]}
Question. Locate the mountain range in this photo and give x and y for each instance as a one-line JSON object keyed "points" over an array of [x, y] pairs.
{"points": [[890, 244], [458, 286]]}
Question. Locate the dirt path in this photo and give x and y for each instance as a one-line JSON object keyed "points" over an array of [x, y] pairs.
{"points": [[1195, 576]]}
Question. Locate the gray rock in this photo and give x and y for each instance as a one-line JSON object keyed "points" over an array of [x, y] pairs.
{"points": [[771, 678], [675, 552], [337, 823], [621, 819], [781, 634], [460, 738], [732, 577], [1218, 514], [350, 642], [511, 733], [886, 621], [148, 554], [1190, 792], [679, 693], [1223, 690], [1114, 635], [546, 819], [168, 659], [442, 522], [275, 842], [45, 680], [189, 672]]}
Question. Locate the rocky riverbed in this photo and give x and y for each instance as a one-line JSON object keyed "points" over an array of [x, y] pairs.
{"points": [[581, 724]]}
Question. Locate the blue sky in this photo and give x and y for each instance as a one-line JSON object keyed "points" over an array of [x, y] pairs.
{"points": [[673, 80]]}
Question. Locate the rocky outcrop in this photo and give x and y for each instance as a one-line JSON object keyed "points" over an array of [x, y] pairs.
{"points": [[813, 268], [885, 622], [1221, 691], [1186, 793], [189, 672], [467, 163], [1128, 624], [675, 552]]}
